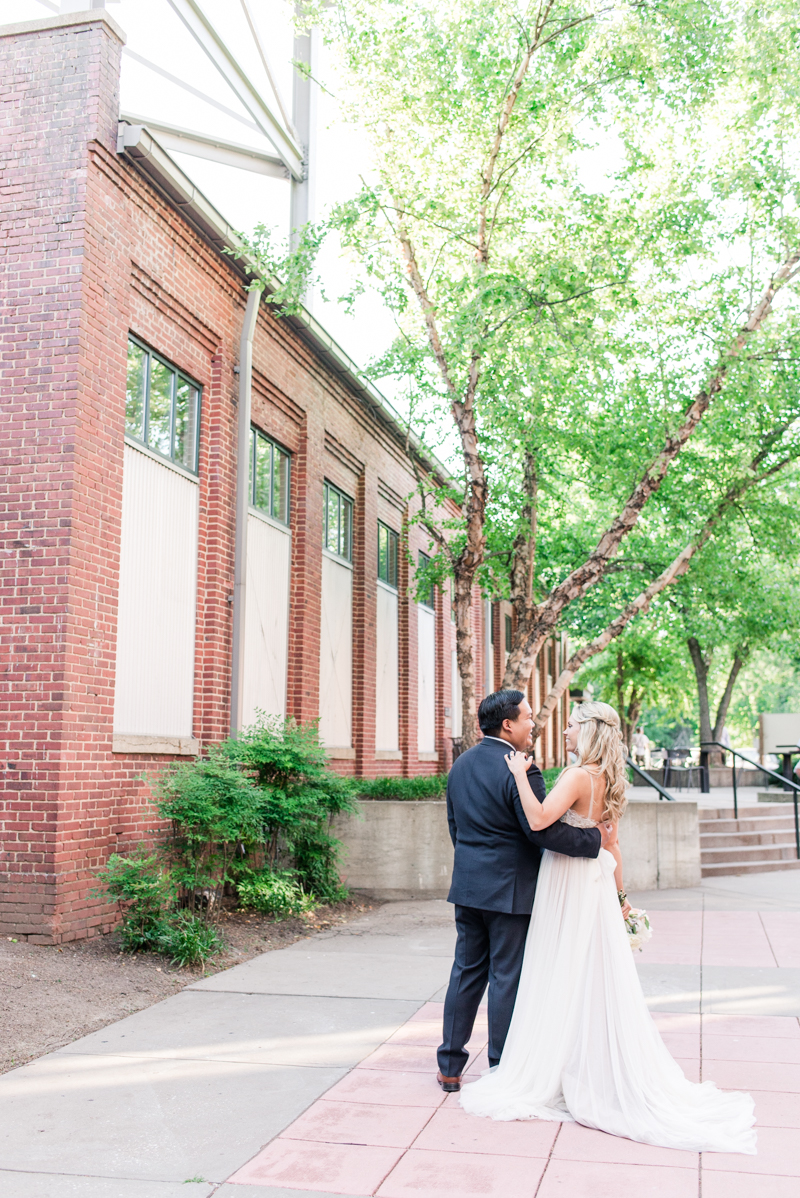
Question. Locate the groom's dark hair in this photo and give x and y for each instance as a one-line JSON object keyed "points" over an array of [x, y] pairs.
{"points": [[502, 705]]}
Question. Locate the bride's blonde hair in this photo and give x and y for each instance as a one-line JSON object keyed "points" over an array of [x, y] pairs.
{"points": [[600, 744]]}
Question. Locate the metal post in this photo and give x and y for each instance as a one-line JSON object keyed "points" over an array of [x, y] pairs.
{"points": [[304, 116], [735, 792], [242, 506], [704, 773]]}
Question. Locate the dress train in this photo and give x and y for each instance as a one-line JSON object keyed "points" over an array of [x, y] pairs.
{"points": [[582, 1044]]}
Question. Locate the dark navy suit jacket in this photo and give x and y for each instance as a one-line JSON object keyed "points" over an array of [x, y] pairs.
{"points": [[497, 855]]}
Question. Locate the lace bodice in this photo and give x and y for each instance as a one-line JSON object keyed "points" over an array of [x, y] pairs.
{"points": [[581, 821], [577, 821]]}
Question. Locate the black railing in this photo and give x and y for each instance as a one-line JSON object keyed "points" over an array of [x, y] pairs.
{"points": [[787, 783], [663, 794]]}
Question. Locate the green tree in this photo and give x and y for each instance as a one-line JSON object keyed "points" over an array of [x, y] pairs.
{"points": [[555, 320], [641, 670]]}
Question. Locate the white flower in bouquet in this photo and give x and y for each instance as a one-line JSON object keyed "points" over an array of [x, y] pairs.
{"points": [[637, 925]]}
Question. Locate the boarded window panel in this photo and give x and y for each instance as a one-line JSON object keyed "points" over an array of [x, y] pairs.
{"points": [[387, 709], [455, 684], [154, 686], [426, 673], [266, 635], [336, 655]]}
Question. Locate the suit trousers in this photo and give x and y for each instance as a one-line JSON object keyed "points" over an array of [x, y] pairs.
{"points": [[489, 948]]}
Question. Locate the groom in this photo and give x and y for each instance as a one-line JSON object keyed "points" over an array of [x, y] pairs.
{"points": [[494, 877]]}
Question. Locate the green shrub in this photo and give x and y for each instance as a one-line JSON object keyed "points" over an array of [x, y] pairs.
{"points": [[552, 775], [316, 857], [429, 786], [214, 810], [188, 940], [273, 892], [255, 815], [299, 796], [143, 889]]}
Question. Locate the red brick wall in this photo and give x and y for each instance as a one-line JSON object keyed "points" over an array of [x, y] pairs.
{"points": [[60, 517], [93, 252]]}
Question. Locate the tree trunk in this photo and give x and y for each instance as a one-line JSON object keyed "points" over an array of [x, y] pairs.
{"points": [[466, 662], [632, 716], [702, 663], [725, 702]]}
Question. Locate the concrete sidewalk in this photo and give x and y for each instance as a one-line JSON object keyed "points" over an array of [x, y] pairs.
{"points": [[309, 1071]]}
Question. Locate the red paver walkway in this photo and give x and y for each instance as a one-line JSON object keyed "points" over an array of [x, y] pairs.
{"points": [[386, 1128]]}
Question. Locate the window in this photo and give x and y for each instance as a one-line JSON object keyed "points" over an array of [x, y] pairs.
{"points": [[508, 634], [162, 406], [425, 592], [269, 477], [338, 521], [387, 555]]}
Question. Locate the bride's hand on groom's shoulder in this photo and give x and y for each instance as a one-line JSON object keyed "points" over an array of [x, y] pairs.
{"points": [[518, 763]]}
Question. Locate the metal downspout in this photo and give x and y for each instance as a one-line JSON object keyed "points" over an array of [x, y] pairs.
{"points": [[242, 506]]}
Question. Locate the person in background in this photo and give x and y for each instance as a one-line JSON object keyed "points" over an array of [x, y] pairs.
{"points": [[725, 739], [640, 746]]}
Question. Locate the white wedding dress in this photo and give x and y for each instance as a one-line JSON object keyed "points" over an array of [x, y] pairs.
{"points": [[582, 1045]]}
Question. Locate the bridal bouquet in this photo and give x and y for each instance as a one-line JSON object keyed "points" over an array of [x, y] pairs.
{"points": [[637, 925]]}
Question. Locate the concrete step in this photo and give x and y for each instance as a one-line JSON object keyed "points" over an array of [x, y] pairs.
{"points": [[763, 852], [763, 811], [736, 868], [733, 840], [761, 840], [724, 827]]}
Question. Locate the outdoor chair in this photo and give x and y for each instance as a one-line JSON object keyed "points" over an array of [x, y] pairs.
{"points": [[679, 773]]}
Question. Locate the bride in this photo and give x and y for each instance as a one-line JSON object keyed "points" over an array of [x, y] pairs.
{"points": [[582, 1045]]}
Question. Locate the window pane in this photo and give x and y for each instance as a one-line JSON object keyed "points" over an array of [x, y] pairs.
{"points": [[347, 530], [332, 519], [508, 634], [160, 407], [251, 458], [185, 424], [393, 559], [280, 485], [263, 474], [134, 395], [383, 553]]}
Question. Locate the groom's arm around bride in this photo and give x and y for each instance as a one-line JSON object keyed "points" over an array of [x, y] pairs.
{"points": [[496, 864]]}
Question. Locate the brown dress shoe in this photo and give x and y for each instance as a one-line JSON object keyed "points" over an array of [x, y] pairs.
{"points": [[450, 1085]]}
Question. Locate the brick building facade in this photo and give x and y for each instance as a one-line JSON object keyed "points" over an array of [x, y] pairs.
{"points": [[113, 267]]}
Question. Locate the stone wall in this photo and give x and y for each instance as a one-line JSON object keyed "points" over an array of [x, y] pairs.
{"points": [[402, 850]]}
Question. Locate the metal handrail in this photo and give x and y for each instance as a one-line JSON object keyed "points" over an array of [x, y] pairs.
{"points": [[795, 787], [650, 781]]}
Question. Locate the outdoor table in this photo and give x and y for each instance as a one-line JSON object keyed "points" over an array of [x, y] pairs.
{"points": [[787, 752]]}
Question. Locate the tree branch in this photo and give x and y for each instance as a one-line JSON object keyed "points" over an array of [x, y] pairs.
{"points": [[576, 584], [677, 567]]}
